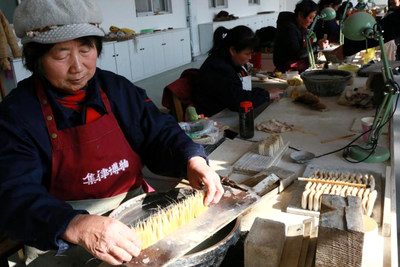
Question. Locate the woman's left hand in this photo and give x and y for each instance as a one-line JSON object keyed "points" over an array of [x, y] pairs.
{"points": [[199, 174], [275, 94]]}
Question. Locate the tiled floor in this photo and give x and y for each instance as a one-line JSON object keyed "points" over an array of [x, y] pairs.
{"points": [[154, 85]]}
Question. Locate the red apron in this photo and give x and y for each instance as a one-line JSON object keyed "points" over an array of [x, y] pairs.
{"points": [[91, 161], [298, 65]]}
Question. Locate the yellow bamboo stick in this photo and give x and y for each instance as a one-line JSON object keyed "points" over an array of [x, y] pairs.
{"points": [[336, 138], [330, 182]]}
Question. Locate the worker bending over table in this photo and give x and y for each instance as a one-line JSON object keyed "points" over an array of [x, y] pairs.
{"points": [[394, 44], [346, 5], [330, 28], [390, 31], [74, 139], [290, 52], [223, 80]]}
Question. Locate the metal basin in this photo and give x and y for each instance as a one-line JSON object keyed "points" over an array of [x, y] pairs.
{"points": [[326, 82], [212, 251], [302, 156]]}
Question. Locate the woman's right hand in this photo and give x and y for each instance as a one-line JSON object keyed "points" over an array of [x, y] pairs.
{"points": [[105, 238]]}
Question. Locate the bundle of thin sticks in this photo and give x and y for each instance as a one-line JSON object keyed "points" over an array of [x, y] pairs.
{"points": [[167, 220]]}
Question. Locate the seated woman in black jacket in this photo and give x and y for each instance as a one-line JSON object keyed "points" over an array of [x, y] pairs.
{"points": [[223, 81], [290, 52], [389, 32], [330, 28]]}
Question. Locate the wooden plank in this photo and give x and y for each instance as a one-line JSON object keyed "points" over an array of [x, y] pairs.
{"points": [[293, 244], [386, 222], [305, 244], [311, 252], [264, 243], [340, 232], [294, 206], [230, 151], [393, 238]]}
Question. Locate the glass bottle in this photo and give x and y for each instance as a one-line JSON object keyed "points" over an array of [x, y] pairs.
{"points": [[246, 120]]}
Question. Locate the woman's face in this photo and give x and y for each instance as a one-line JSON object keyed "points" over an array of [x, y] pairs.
{"points": [[394, 3], [305, 22], [69, 65], [335, 7], [240, 58]]}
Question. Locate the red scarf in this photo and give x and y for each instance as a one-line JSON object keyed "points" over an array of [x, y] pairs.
{"points": [[75, 101]]}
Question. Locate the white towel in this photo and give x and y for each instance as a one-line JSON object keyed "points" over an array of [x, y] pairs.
{"points": [[391, 48]]}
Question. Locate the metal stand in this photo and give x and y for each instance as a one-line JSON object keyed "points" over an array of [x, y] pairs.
{"points": [[341, 36], [370, 151], [326, 14]]}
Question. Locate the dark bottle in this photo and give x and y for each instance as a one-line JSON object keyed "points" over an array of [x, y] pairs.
{"points": [[246, 120]]}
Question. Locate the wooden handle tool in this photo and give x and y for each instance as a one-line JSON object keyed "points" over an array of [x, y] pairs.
{"points": [[336, 138]]}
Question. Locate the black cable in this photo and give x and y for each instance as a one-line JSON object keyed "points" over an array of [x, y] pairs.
{"points": [[294, 148], [375, 142], [372, 150]]}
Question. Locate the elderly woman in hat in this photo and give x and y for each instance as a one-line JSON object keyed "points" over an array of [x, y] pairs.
{"points": [[74, 139]]}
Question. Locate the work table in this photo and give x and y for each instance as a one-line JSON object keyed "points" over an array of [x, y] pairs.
{"points": [[312, 127]]}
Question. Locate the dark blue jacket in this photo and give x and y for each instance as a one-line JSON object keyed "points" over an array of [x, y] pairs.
{"points": [[331, 28], [29, 213], [390, 32], [218, 86], [289, 41]]}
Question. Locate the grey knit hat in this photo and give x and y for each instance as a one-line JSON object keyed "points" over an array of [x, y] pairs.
{"points": [[54, 21]]}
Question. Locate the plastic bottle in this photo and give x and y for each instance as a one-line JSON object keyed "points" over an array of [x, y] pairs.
{"points": [[191, 114], [246, 119]]}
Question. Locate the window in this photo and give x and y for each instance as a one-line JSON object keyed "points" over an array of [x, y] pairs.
{"points": [[254, 2], [152, 7], [7, 7], [218, 3]]}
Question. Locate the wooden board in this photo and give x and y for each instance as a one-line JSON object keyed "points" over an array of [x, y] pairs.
{"points": [[297, 249], [310, 259], [386, 221], [252, 162], [340, 232], [223, 157], [264, 243], [295, 202], [305, 245], [293, 245]]}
